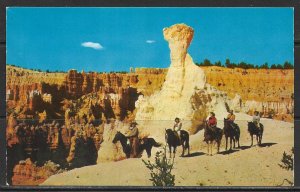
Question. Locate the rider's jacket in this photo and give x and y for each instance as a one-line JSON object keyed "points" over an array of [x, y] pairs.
{"points": [[212, 121], [231, 117], [256, 119], [177, 126]]}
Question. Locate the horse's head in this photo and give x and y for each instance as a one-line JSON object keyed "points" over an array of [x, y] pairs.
{"points": [[117, 137], [167, 133], [141, 141], [205, 124]]}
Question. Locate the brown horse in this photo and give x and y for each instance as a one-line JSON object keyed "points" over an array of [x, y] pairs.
{"points": [[258, 132], [211, 135], [172, 141], [144, 144], [231, 131]]}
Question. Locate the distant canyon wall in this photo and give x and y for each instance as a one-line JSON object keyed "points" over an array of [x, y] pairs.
{"points": [[265, 90]]}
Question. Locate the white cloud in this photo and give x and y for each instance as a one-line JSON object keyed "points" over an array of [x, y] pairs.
{"points": [[92, 45], [150, 41]]}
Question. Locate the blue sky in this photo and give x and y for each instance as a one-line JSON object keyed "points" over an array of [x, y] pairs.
{"points": [[114, 39]]}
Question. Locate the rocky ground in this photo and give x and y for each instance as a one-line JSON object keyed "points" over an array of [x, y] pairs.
{"points": [[247, 166]]}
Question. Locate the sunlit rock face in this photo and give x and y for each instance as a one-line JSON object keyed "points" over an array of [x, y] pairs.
{"points": [[183, 79], [110, 151]]}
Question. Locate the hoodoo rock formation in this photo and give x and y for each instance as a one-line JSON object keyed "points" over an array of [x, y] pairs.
{"points": [[183, 81]]}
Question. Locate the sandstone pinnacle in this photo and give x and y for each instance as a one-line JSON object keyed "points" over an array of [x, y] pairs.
{"points": [[180, 33]]}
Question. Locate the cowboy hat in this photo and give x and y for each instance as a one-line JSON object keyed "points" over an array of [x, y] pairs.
{"points": [[133, 123]]}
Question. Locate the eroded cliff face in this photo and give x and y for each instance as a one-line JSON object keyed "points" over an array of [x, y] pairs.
{"points": [[30, 93], [150, 80], [269, 91], [27, 173]]}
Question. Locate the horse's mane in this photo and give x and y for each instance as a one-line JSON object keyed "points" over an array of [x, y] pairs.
{"points": [[143, 135], [250, 123], [169, 130]]}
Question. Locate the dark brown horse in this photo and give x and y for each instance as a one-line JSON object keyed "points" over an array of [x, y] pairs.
{"points": [[212, 135], [172, 141], [231, 131], [258, 132], [144, 144]]}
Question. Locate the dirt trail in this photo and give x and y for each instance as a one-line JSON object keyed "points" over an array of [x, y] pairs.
{"points": [[255, 166]]}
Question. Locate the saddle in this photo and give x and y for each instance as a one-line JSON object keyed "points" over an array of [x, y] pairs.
{"points": [[177, 137], [258, 125], [234, 125]]}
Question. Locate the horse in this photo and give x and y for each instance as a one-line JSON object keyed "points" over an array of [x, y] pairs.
{"points": [[232, 132], [172, 141], [210, 136], [144, 144], [258, 132]]}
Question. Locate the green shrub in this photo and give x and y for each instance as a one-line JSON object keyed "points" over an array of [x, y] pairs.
{"points": [[160, 170], [287, 161]]}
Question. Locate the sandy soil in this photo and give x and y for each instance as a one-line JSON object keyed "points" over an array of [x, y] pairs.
{"points": [[255, 166]]}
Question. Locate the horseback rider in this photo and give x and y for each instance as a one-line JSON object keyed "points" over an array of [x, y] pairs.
{"points": [[212, 121], [256, 119], [177, 127], [231, 118], [132, 135]]}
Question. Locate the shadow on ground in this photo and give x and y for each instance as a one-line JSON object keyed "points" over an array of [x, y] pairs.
{"points": [[228, 152], [266, 144], [245, 147], [194, 154]]}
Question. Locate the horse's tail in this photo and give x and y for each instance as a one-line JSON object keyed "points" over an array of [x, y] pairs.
{"points": [[261, 128], [219, 134], [250, 127], [156, 144], [187, 141], [237, 131]]}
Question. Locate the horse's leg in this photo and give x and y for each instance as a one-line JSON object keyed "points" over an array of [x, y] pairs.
{"points": [[257, 139], [230, 143], [238, 140], [226, 143], [182, 153], [251, 140], [128, 154], [148, 150], [234, 142], [174, 151], [218, 145], [207, 147], [170, 149], [210, 146]]}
